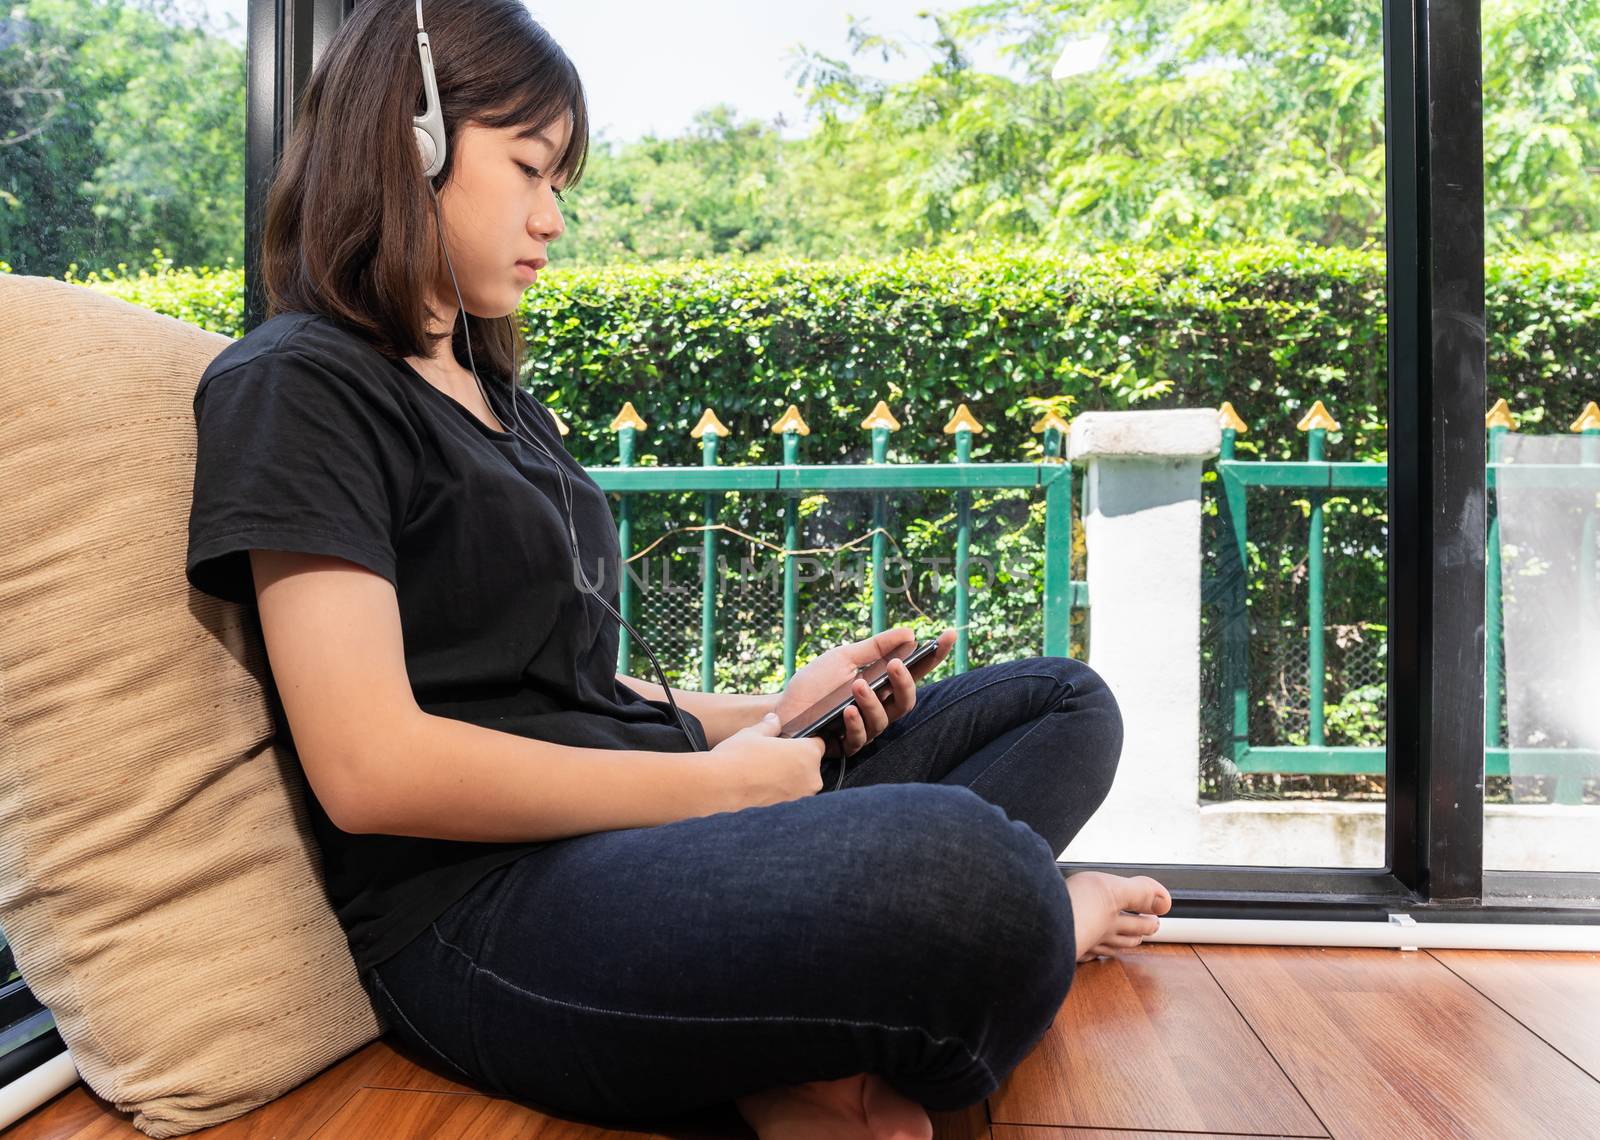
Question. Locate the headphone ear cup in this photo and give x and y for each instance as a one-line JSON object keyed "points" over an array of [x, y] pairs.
{"points": [[425, 149]]}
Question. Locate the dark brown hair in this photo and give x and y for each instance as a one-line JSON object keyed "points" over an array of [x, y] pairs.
{"points": [[349, 228]]}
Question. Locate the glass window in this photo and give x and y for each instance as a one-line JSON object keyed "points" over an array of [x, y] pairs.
{"points": [[1542, 623], [1095, 209], [122, 141]]}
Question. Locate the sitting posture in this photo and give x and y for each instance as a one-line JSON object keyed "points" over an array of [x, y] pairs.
{"points": [[582, 890]]}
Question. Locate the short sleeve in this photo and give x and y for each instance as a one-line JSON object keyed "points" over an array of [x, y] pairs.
{"points": [[292, 454]]}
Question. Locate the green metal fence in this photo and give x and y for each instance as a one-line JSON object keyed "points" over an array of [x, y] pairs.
{"points": [[792, 479], [1317, 476]]}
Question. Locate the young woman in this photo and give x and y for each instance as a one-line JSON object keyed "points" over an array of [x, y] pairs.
{"points": [[544, 882]]}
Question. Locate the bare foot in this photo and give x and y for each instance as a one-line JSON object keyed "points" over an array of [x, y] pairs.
{"points": [[1098, 903], [862, 1107]]}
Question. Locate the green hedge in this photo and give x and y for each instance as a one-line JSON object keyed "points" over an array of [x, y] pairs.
{"points": [[1269, 328]]}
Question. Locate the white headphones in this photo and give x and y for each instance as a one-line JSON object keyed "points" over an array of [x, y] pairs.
{"points": [[428, 126]]}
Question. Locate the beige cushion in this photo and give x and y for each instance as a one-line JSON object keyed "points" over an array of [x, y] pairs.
{"points": [[159, 880]]}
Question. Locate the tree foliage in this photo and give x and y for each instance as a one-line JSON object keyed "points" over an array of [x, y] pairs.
{"points": [[121, 130], [1230, 121]]}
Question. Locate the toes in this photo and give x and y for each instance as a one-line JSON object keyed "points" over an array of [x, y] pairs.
{"points": [[1110, 944], [1108, 947], [1160, 900], [1142, 893], [1136, 924]]}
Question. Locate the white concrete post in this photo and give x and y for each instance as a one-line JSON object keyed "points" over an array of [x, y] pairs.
{"points": [[1142, 529]]}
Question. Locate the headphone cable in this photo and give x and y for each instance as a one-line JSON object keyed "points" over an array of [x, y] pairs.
{"points": [[586, 586]]}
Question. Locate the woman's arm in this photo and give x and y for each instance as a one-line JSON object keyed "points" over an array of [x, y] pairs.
{"points": [[722, 714], [380, 765]]}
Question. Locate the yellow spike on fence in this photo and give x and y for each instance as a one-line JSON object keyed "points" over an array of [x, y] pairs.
{"points": [[561, 424], [708, 422], [628, 418], [1588, 419], [1230, 419], [1499, 416], [962, 419], [1050, 420], [881, 416], [791, 421], [1318, 417]]}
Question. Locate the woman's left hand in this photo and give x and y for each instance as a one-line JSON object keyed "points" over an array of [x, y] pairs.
{"points": [[869, 716]]}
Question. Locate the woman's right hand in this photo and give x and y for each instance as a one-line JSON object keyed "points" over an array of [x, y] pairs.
{"points": [[755, 766]]}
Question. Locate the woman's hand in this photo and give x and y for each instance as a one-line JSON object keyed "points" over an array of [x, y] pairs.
{"points": [[869, 716]]}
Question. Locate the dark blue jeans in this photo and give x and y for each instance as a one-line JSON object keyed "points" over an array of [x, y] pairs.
{"points": [[912, 924]]}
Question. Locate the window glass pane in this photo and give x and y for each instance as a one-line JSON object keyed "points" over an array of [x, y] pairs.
{"points": [[122, 140], [1178, 204], [1542, 205]]}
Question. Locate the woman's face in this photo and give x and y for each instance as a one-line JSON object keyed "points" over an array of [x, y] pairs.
{"points": [[499, 209]]}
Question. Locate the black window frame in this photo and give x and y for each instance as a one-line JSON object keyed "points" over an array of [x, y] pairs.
{"points": [[283, 41], [1433, 110]]}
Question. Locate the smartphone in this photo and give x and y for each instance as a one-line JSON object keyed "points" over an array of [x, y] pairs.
{"points": [[826, 717]]}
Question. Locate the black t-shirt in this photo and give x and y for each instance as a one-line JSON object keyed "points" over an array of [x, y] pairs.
{"points": [[311, 440]]}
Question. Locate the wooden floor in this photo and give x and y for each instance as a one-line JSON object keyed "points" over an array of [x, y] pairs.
{"points": [[1168, 1040]]}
